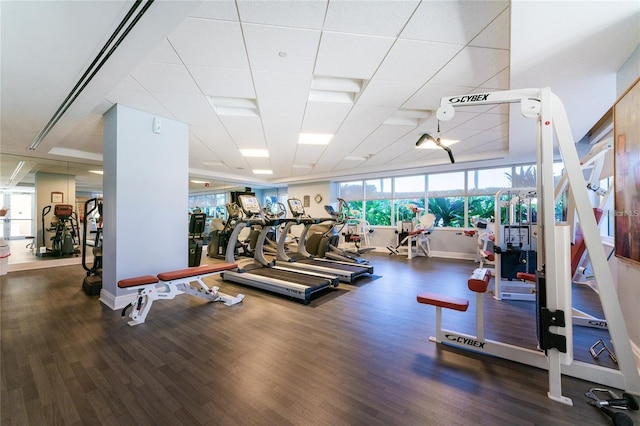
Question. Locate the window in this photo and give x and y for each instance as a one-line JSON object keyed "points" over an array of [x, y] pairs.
{"points": [[490, 181], [443, 184], [449, 211], [352, 190], [409, 186]]}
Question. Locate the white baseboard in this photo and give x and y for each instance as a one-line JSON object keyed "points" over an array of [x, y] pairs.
{"points": [[115, 302]]}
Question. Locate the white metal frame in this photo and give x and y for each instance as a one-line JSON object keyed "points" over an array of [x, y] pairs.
{"points": [[553, 246]]}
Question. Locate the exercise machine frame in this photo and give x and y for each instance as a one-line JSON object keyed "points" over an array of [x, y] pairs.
{"points": [[553, 250]]}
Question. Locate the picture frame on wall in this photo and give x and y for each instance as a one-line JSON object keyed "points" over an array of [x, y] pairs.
{"points": [[57, 197], [626, 119]]}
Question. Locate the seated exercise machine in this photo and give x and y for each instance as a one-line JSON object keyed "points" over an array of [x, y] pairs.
{"points": [[553, 274], [168, 285], [414, 240], [355, 230]]}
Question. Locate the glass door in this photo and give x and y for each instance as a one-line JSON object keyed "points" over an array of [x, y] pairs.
{"points": [[18, 222]]}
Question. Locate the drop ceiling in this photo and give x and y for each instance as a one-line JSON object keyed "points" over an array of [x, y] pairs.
{"points": [[257, 74]]}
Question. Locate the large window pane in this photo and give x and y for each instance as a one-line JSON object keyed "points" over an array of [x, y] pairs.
{"points": [[490, 181], [443, 184], [482, 207], [378, 212], [449, 211], [377, 189], [409, 187], [408, 209], [352, 190]]}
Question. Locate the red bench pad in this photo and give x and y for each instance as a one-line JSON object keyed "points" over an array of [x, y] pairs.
{"points": [[134, 282], [526, 276], [479, 281], [195, 271], [449, 302], [488, 255]]}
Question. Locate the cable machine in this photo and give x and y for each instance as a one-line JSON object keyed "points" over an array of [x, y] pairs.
{"points": [[553, 276]]}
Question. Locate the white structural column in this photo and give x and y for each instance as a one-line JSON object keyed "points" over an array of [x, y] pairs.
{"points": [[146, 174]]}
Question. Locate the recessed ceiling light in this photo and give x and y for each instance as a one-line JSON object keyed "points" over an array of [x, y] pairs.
{"points": [[254, 152], [212, 163], [239, 107], [431, 145], [303, 166], [314, 139], [98, 172], [199, 181], [262, 172]]}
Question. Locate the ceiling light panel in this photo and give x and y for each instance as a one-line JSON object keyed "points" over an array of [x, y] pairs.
{"points": [[314, 139], [255, 153], [235, 107], [387, 93], [408, 117], [262, 172]]}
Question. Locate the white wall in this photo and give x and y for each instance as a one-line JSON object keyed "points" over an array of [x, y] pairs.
{"points": [[145, 198]]}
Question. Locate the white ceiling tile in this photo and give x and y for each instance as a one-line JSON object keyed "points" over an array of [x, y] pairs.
{"points": [[451, 21], [350, 56], [224, 10], [210, 43], [323, 117], [164, 53], [130, 84], [383, 18], [387, 93], [165, 78], [500, 81], [486, 121], [430, 95], [308, 154], [266, 44], [138, 100], [413, 60], [472, 66], [497, 35], [246, 132], [383, 136], [192, 109], [296, 14], [224, 82]]}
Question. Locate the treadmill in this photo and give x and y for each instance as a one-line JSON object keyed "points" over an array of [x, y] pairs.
{"points": [[303, 260], [259, 272]]}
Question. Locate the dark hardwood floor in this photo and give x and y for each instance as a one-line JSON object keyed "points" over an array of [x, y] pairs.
{"points": [[356, 355]]}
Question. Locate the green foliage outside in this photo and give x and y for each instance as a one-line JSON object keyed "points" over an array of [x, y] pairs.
{"points": [[449, 211], [378, 212]]}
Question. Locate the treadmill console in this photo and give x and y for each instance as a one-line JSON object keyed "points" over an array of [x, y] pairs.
{"points": [[250, 205], [296, 207]]}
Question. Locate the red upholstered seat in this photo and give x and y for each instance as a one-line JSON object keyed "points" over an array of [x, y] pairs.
{"points": [[195, 271], [449, 302], [136, 281], [526, 276], [479, 281]]}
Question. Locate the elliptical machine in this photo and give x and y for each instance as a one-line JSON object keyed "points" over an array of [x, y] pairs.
{"points": [[92, 283], [64, 226]]}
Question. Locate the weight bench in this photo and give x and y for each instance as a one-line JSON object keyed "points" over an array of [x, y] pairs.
{"points": [[478, 282], [168, 285]]}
